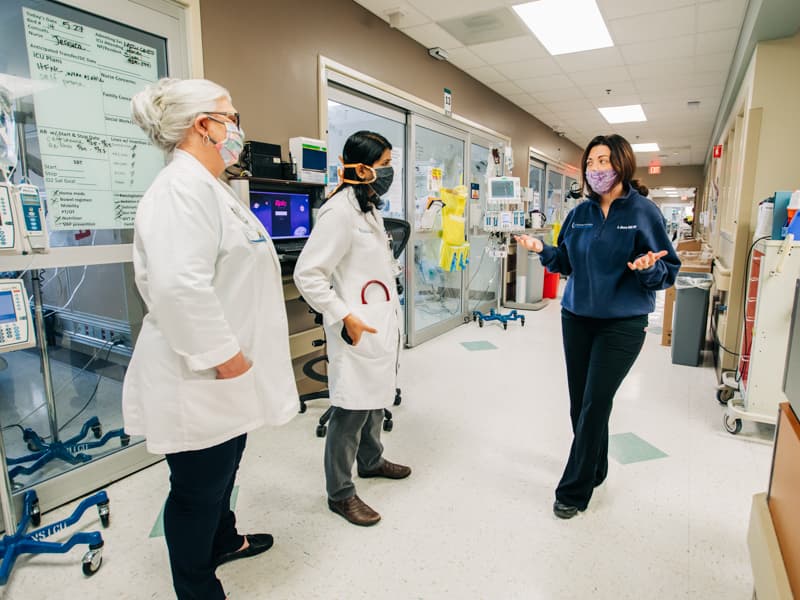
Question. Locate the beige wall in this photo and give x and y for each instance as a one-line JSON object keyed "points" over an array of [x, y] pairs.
{"points": [[266, 53], [685, 176]]}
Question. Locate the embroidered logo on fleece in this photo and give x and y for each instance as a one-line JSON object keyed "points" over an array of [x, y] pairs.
{"points": [[582, 225], [627, 226]]}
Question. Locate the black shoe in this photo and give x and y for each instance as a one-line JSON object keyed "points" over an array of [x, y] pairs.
{"points": [[259, 542], [564, 511]]}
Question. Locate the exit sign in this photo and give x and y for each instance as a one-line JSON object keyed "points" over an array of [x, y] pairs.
{"points": [[718, 151], [654, 169]]}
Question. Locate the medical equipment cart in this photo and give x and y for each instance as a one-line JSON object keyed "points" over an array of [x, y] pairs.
{"points": [[755, 390]]}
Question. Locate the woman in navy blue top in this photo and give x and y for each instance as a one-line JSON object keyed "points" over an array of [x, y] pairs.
{"points": [[617, 253]]}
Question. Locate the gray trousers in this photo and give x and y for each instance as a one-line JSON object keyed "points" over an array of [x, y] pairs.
{"points": [[352, 435]]}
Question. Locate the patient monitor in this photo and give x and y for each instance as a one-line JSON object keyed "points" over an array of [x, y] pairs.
{"points": [[16, 324]]}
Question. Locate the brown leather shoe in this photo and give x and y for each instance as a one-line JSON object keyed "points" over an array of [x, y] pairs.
{"points": [[388, 470], [355, 510]]}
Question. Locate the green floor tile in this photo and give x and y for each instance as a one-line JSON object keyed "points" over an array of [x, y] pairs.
{"points": [[158, 527], [481, 345], [628, 448]]}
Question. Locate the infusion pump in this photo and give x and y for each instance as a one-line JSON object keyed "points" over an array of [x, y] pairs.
{"points": [[23, 228], [16, 324]]}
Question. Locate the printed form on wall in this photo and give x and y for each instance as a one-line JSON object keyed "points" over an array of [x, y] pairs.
{"points": [[97, 163]]}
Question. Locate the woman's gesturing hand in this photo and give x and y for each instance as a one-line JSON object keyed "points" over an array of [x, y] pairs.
{"points": [[645, 261], [530, 243]]}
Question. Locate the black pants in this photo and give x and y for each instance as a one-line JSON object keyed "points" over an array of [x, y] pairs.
{"points": [[599, 353], [198, 522]]}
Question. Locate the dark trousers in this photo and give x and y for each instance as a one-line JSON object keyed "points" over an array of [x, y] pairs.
{"points": [[599, 353], [198, 522], [352, 435]]}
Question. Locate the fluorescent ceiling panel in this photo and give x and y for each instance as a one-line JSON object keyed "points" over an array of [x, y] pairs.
{"points": [[649, 147], [566, 26], [632, 113]]}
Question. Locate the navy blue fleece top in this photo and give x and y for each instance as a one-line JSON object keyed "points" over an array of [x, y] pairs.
{"points": [[595, 250]]}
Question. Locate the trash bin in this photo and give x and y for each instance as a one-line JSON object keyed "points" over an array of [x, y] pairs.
{"points": [[535, 281], [690, 317]]}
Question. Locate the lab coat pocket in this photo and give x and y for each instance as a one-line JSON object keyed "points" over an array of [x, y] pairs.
{"points": [[215, 408], [380, 316]]}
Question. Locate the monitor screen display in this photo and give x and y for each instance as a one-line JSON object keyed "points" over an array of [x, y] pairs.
{"points": [[285, 215], [502, 188], [315, 159], [7, 312]]}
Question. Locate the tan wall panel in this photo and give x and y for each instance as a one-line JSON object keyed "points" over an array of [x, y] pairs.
{"points": [[266, 54]]}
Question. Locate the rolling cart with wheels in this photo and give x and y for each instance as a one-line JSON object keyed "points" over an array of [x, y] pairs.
{"points": [[754, 391], [496, 316]]}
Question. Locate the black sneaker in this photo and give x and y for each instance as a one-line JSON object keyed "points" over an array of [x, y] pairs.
{"points": [[564, 511], [259, 542]]}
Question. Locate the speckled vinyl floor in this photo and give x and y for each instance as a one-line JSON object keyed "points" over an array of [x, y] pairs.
{"points": [[487, 433]]}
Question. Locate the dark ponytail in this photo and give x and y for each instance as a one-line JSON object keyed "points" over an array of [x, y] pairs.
{"points": [[639, 187], [364, 147]]}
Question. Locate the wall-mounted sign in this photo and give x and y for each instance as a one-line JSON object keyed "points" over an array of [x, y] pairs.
{"points": [[718, 151], [448, 102], [654, 169]]}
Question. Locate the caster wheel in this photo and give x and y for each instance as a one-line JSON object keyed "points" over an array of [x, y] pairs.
{"points": [[303, 408], [105, 514], [723, 395], [388, 426], [522, 322], [732, 425], [474, 318], [33, 446], [480, 322], [124, 440], [97, 431], [36, 514], [321, 431], [398, 399], [505, 326], [92, 561]]}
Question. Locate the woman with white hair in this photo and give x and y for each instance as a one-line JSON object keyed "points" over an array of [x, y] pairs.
{"points": [[212, 360]]}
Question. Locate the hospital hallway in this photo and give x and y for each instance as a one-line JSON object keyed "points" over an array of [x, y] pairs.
{"points": [[484, 424]]}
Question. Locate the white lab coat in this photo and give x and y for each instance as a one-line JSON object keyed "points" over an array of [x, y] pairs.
{"points": [[211, 280], [348, 248]]}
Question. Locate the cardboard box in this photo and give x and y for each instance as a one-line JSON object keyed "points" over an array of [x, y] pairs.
{"points": [[690, 245]]}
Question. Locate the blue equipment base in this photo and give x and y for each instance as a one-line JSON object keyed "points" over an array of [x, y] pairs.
{"points": [[71, 450], [496, 316], [11, 546]]}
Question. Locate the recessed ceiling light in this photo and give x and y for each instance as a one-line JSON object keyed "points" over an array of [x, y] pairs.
{"points": [[566, 26], [648, 147], [631, 113]]}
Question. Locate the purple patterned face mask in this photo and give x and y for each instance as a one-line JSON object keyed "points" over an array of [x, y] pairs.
{"points": [[602, 181]]}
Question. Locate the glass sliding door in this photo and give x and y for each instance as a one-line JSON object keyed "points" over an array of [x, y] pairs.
{"points": [[436, 294], [554, 204], [484, 271], [571, 202], [536, 183]]}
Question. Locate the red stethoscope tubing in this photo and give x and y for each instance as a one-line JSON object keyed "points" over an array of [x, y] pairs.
{"points": [[374, 282]]}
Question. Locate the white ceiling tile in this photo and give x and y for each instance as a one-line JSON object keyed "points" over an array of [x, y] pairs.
{"points": [[522, 99], [447, 9], [613, 99], [512, 50], [526, 69], [464, 59], [694, 93], [542, 84], [570, 106], [653, 26], [650, 51], [431, 35], [713, 42], [720, 61], [600, 76], [486, 74], [592, 59], [552, 95], [619, 89], [411, 17], [721, 14], [657, 68], [615, 9], [506, 88]]}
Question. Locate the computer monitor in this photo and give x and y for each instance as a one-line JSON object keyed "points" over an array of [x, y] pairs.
{"points": [[286, 215]]}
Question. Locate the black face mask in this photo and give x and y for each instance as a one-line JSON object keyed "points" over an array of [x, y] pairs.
{"points": [[384, 176]]}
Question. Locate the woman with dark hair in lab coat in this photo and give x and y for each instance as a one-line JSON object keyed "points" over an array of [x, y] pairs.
{"points": [[346, 273], [617, 253]]}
